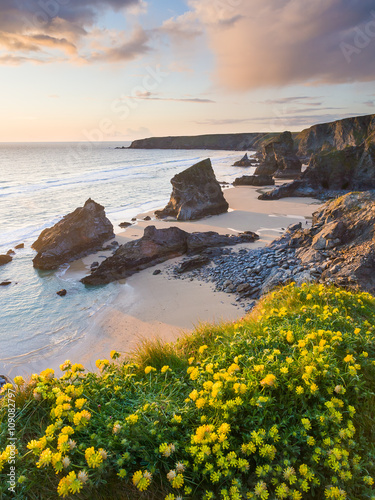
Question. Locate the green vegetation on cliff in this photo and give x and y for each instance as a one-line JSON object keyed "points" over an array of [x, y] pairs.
{"points": [[278, 405]]}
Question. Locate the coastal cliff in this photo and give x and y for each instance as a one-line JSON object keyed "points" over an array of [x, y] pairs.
{"points": [[335, 135], [321, 137], [230, 142]]}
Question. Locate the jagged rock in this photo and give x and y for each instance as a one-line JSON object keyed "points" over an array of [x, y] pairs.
{"points": [[197, 242], [347, 221], [276, 278], [19, 246], [244, 162], [279, 159], [4, 259], [196, 194], [336, 135], [156, 246], [5, 283], [62, 292], [352, 168], [11, 252], [193, 263], [77, 234], [254, 180]]}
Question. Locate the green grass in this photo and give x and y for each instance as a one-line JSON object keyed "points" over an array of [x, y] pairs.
{"points": [[279, 404]]}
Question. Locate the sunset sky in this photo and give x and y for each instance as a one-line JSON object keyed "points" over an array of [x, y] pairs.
{"points": [[75, 70]]}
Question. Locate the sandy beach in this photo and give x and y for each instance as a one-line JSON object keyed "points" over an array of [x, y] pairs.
{"points": [[158, 306]]}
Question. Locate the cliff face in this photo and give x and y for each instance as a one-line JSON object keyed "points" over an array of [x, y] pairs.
{"points": [[230, 142], [335, 135]]}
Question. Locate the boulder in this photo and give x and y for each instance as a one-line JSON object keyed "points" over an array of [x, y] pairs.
{"points": [[198, 242], [244, 162], [19, 246], [79, 233], [62, 292], [5, 283], [11, 252], [196, 194], [4, 259], [156, 246], [193, 263], [279, 159], [125, 224], [254, 180]]}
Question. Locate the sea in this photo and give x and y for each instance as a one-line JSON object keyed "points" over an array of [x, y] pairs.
{"points": [[39, 184]]}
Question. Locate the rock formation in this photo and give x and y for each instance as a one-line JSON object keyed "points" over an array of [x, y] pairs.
{"points": [[4, 259], [352, 168], [196, 194], [156, 246], [77, 234], [254, 180], [341, 241], [244, 162], [229, 142], [335, 135], [279, 159]]}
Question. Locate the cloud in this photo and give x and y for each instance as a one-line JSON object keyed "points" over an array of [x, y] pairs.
{"points": [[370, 104], [134, 46], [33, 31], [275, 43], [149, 96], [182, 28]]}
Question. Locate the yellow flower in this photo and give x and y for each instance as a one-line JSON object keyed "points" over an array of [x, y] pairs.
{"points": [[357, 331], [114, 354], [268, 380], [165, 369], [290, 337], [80, 402], [19, 380], [202, 349], [299, 390], [149, 369], [132, 419], [348, 358]]}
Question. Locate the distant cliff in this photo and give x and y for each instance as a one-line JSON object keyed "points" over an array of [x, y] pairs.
{"points": [[230, 142], [335, 135], [322, 137]]}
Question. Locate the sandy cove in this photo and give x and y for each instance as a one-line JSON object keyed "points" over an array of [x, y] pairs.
{"points": [[149, 306]]}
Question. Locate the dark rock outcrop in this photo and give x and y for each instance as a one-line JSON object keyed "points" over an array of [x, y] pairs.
{"points": [[4, 259], [229, 142], [77, 234], [279, 159], [125, 224], [352, 168], [254, 180], [244, 162], [156, 246], [5, 283], [335, 135], [62, 292], [196, 194], [193, 263], [19, 246], [198, 242], [341, 241]]}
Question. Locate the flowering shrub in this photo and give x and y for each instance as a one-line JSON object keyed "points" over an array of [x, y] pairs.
{"points": [[278, 405]]}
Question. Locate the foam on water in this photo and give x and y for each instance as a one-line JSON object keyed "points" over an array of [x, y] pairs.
{"points": [[39, 184]]}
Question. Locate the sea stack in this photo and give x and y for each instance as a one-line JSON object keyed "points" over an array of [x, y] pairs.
{"points": [[196, 194], [77, 234], [279, 158]]}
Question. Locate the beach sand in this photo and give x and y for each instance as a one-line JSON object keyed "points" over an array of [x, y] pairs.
{"points": [[149, 306]]}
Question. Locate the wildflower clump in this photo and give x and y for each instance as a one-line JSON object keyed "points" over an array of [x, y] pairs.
{"points": [[278, 405]]}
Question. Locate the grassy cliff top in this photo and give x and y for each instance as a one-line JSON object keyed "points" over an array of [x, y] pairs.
{"points": [[276, 405]]}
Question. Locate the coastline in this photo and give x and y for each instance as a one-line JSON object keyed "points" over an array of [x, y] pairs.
{"points": [[150, 306]]}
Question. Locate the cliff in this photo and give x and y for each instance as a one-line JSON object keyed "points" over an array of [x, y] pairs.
{"points": [[322, 137], [229, 142], [335, 135]]}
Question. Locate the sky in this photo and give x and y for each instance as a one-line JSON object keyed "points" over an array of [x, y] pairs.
{"points": [[119, 70]]}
